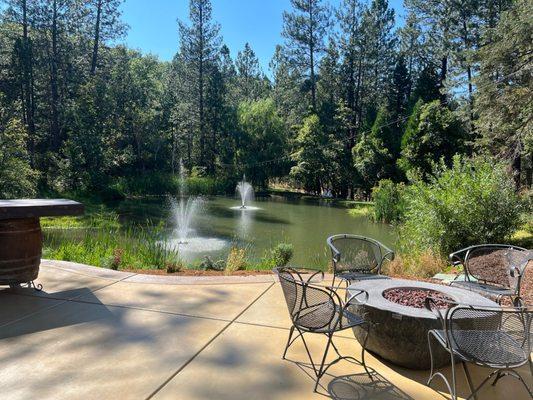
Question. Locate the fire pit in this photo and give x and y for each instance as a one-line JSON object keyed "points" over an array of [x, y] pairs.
{"points": [[399, 322]]}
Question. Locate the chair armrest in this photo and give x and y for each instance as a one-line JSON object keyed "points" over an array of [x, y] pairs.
{"points": [[355, 297], [312, 279]]}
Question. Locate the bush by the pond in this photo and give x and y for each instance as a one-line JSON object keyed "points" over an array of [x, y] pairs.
{"points": [[388, 201], [237, 260], [471, 202], [158, 183], [418, 265], [278, 256]]}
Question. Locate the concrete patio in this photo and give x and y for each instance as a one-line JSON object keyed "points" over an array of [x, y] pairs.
{"points": [[100, 334]]}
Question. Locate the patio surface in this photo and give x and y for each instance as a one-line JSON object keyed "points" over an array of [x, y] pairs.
{"points": [[100, 334]]}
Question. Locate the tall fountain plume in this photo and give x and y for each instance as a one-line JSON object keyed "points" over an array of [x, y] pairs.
{"points": [[246, 191], [184, 209]]}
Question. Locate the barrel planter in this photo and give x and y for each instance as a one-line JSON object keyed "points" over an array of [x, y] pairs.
{"points": [[21, 240], [21, 248]]}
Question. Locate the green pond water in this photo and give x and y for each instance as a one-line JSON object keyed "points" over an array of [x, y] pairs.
{"points": [[216, 225]]}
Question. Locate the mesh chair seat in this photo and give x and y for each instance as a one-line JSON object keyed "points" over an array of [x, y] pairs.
{"points": [[493, 337], [497, 348], [318, 310], [325, 318]]}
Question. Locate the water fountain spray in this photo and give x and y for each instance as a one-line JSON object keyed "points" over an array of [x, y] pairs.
{"points": [[245, 191]]}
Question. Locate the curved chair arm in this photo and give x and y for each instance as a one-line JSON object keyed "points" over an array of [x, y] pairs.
{"points": [[311, 279], [355, 297], [431, 305]]}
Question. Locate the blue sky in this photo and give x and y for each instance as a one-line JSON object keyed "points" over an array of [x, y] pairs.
{"points": [[153, 26]]}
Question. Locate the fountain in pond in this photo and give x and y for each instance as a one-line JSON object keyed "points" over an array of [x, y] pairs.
{"points": [[185, 211], [245, 190], [246, 193]]}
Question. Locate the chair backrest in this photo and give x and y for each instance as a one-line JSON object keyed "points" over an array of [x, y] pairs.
{"points": [[356, 254], [493, 264], [310, 307], [491, 336]]}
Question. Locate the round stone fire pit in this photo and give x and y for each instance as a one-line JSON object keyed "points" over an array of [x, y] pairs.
{"points": [[399, 322]]}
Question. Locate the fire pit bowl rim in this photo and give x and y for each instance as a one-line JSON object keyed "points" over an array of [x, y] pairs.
{"points": [[376, 287]]}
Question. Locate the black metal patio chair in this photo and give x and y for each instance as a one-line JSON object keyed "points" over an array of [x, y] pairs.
{"points": [[318, 310], [357, 257], [496, 338], [493, 270]]}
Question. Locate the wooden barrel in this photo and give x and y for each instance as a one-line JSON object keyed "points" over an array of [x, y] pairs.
{"points": [[20, 250]]}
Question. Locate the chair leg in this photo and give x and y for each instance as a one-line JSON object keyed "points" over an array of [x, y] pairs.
{"points": [[288, 342], [363, 353], [434, 374], [308, 352], [321, 370], [469, 379]]}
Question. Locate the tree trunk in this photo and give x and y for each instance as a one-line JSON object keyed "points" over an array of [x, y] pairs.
{"points": [[312, 59], [54, 100], [201, 90], [27, 83], [96, 43], [442, 78]]}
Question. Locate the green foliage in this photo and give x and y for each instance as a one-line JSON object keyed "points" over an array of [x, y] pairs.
{"points": [[471, 202], [132, 248], [262, 137], [278, 256], [158, 183], [17, 178], [388, 201], [372, 160], [505, 91], [362, 209], [433, 132], [312, 160]]}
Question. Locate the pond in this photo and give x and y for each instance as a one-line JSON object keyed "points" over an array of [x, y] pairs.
{"points": [[218, 223]]}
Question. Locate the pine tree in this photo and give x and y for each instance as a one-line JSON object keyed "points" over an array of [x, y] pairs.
{"points": [[199, 48], [305, 31], [248, 72], [104, 18], [505, 91]]}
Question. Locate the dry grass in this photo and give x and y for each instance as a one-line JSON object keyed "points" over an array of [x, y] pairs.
{"points": [[236, 260], [424, 265]]}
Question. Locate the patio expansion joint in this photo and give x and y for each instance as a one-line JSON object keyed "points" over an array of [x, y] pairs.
{"points": [[190, 360], [61, 302]]}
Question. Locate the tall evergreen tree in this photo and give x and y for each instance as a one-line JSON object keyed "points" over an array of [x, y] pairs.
{"points": [[248, 71], [504, 100], [199, 48], [305, 31], [105, 23]]}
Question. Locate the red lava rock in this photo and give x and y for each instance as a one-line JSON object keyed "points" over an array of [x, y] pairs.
{"points": [[414, 297]]}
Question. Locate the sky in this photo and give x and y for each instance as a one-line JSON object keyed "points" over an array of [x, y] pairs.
{"points": [[154, 29]]}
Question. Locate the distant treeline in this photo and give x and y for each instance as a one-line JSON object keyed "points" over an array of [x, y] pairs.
{"points": [[351, 99]]}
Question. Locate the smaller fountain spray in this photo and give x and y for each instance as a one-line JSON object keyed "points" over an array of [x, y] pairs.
{"points": [[246, 192]]}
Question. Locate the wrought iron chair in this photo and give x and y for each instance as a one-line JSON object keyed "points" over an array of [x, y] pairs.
{"points": [[357, 257], [493, 270], [318, 310], [496, 338]]}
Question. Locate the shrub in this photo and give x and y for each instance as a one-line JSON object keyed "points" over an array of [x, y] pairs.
{"points": [[423, 265], [236, 260], [278, 256], [388, 201], [471, 202]]}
